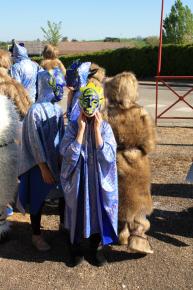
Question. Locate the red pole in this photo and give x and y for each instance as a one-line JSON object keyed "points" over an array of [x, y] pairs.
{"points": [[159, 61], [160, 40]]}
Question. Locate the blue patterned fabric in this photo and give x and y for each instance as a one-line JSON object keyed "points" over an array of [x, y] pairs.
{"points": [[24, 70], [42, 132], [73, 111], [76, 77], [90, 175], [77, 74], [50, 85], [32, 190]]}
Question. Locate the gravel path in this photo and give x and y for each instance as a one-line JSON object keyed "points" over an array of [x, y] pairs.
{"points": [[171, 235]]}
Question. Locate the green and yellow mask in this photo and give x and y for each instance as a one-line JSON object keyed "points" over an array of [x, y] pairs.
{"points": [[91, 99]]}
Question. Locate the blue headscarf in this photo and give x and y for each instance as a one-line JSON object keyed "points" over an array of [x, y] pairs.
{"points": [[77, 74], [51, 85]]}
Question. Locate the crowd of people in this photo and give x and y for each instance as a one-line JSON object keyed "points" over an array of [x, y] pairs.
{"points": [[97, 161]]}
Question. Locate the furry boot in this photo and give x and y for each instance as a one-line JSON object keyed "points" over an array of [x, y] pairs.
{"points": [[138, 241]]}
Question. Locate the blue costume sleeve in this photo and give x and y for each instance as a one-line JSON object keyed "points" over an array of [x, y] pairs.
{"points": [[70, 149], [107, 152], [15, 72], [106, 157], [32, 137]]}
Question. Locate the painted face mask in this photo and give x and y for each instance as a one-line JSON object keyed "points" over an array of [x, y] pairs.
{"points": [[57, 82], [91, 99]]}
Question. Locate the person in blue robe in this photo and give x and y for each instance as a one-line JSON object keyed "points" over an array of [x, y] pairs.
{"points": [[89, 178], [42, 132], [24, 70]]}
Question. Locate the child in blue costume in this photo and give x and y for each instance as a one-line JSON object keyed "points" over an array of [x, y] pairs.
{"points": [[39, 170], [89, 178]]}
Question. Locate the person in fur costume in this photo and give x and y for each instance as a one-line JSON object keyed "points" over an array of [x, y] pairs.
{"points": [[135, 135], [51, 61], [14, 104]]}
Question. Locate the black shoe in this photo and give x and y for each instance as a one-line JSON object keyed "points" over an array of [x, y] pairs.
{"points": [[97, 258], [4, 238], [76, 256], [75, 261]]}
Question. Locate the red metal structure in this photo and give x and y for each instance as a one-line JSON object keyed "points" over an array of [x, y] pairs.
{"points": [[163, 79]]}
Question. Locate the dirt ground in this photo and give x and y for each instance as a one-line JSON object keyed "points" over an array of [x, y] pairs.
{"points": [[171, 235]]}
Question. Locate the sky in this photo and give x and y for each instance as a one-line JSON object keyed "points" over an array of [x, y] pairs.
{"points": [[82, 19]]}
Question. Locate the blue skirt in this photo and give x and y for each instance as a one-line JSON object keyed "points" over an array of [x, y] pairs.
{"points": [[33, 190]]}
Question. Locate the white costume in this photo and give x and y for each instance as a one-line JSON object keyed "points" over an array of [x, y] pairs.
{"points": [[9, 131]]}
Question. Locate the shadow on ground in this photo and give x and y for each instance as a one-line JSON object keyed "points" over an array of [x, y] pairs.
{"points": [[166, 224], [19, 247], [172, 190]]}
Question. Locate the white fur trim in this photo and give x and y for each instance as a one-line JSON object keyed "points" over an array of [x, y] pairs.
{"points": [[9, 120], [9, 131]]}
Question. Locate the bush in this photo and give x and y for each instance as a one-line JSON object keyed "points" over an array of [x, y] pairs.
{"points": [[176, 60]]}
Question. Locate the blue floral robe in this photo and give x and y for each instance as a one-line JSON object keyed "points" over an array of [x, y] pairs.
{"points": [[89, 181], [42, 132], [24, 70], [73, 111]]}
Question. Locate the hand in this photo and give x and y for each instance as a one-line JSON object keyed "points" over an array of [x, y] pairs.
{"points": [[46, 174], [82, 122], [65, 117], [97, 121], [97, 124], [71, 89]]}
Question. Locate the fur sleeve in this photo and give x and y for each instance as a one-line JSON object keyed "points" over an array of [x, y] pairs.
{"points": [[149, 132]]}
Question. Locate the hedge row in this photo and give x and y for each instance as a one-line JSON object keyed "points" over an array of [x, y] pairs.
{"points": [[176, 60]]}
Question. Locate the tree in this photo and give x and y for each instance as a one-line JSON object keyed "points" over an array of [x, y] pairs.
{"points": [[178, 26], [152, 40], [65, 38], [111, 39], [52, 32], [3, 45]]}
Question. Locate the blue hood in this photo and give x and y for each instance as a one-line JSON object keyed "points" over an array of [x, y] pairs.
{"points": [[51, 85], [77, 74], [19, 53]]}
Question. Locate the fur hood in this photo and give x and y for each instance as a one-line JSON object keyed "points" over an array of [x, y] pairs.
{"points": [[122, 90], [14, 91], [133, 128], [49, 64]]}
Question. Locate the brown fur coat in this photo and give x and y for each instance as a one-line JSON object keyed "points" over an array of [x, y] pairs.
{"points": [[135, 135], [49, 64], [14, 91]]}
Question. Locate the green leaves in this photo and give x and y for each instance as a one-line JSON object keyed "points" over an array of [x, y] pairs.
{"points": [[52, 32], [178, 26]]}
